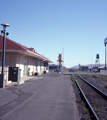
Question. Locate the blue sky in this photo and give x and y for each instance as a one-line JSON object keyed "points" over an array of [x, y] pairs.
{"points": [[79, 26]]}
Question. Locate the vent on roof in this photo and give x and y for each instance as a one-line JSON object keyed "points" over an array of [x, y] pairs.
{"points": [[32, 49]]}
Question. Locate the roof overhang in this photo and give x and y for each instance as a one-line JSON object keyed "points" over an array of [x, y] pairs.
{"points": [[28, 53]]}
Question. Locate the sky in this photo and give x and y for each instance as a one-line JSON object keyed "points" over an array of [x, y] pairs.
{"points": [[75, 28]]}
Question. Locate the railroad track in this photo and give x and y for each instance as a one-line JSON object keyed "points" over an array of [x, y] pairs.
{"points": [[96, 99]]}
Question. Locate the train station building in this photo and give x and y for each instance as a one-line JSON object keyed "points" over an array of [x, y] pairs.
{"points": [[28, 61]]}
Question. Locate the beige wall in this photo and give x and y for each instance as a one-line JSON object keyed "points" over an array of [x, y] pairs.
{"points": [[17, 60]]}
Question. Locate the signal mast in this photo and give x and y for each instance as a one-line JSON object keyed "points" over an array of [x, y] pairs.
{"points": [[60, 61]]}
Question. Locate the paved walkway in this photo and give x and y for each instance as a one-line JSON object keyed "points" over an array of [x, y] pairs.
{"points": [[51, 97], [22, 81]]}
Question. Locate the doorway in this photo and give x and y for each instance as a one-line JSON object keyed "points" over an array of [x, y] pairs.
{"points": [[25, 73]]}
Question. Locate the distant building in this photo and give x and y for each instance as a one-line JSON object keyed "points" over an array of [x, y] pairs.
{"points": [[53, 67], [83, 68]]}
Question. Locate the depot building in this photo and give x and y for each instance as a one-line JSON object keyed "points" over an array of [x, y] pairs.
{"points": [[28, 61]]}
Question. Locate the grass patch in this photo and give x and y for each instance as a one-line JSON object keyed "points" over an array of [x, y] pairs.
{"points": [[102, 77], [16, 84]]}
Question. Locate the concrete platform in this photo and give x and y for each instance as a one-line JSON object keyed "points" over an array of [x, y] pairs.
{"points": [[51, 97], [22, 81]]}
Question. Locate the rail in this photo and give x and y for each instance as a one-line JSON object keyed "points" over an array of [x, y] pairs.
{"points": [[104, 95], [89, 105]]}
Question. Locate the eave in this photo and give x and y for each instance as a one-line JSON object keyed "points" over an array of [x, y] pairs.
{"points": [[28, 53]]}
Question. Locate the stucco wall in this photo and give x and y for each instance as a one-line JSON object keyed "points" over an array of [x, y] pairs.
{"points": [[17, 60]]}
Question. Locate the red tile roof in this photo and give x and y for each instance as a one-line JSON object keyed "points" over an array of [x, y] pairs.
{"points": [[12, 45]]}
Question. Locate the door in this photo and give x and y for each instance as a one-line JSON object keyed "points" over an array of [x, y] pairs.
{"points": [[36, 66], [25, 67]]}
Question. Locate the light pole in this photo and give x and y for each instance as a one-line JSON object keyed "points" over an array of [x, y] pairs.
{"points": [[105, 42], [3, 55], [105, 56]]}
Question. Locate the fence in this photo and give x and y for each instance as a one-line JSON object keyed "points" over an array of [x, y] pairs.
{"points": [[103, 72]]}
